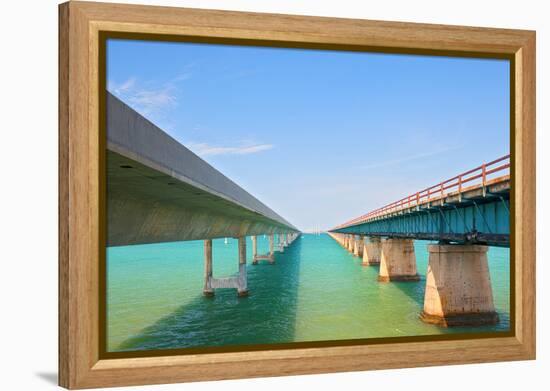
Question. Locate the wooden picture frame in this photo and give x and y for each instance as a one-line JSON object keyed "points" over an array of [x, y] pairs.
{"points": [[80, 147]]}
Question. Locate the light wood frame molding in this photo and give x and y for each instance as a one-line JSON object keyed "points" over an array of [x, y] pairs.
{"points": [[80, 24]]}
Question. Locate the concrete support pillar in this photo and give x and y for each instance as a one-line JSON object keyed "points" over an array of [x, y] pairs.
{"points": [[207, 290], [281, 245], [271, 244], [398, 261], [372, 249], [269, 257], [254, 250], [239, 282], [242, 286], [458, 287], [358, 246], [351, 240]]}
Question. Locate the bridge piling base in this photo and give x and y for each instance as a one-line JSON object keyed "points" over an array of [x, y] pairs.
{"points": [[207, 290], [458, 287], [281, 246], [239, 282], [358, 246], [398, 261], [268, 257], [351, 241], [371, 251]]}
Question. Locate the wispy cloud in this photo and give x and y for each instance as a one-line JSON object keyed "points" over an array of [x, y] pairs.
{"points": [[182, 77], [151, 101], [147, 100], [409, 158], [150, 98], [120, 89], [205, 149]]}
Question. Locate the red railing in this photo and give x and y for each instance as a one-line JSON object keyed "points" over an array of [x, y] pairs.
{"points": [[479, 175]]}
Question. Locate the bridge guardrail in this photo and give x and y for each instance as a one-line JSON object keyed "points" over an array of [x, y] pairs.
{"points": [[474, 177]]}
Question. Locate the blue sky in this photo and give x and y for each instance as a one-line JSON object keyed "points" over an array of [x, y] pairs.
{"points": [[319, 136]]}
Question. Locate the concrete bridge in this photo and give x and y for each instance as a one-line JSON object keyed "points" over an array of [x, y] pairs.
{"points": [[464, 214], [160, 191]]}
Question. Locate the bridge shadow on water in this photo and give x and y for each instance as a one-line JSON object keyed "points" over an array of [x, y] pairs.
{"points": [[266, 316], [413, 289]]}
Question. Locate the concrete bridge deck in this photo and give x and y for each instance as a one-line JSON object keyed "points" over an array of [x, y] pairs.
{"points": [[160, 191]]}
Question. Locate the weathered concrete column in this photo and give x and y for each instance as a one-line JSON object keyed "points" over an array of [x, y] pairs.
{"points": [[238, 282], [254, 250], [371, 251], [358, 246], [242, 286], [398, 261], [269, 257], [281, 245], [207, 290], [458, 287], [351, 240]]}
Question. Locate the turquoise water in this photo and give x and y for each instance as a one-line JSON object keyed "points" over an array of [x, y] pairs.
{"points": [[315, 291]]}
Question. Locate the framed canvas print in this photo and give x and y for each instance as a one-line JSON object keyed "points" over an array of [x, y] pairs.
{"points": [[247, 195]]}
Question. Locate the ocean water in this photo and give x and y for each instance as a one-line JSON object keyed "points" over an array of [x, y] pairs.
{"points": [[315, 291]]}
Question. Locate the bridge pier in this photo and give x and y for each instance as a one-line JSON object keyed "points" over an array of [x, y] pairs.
{"points": [[280, 245], [398, 261], [239, 282], [207, 290], [351, 240], [242, 283], [358, 246], [271, 246], [269, 257], [254, 248], [458, 287], [371, 251]]}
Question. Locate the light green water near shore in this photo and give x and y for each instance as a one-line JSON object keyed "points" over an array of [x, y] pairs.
{"points": [[315, 291]]}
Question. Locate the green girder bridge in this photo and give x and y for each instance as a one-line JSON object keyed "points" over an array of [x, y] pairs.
{"points": [[472, 207]]}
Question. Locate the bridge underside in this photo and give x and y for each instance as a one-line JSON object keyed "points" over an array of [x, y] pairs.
{"points": [[476, 216], [160, 191], [148, 206]]}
